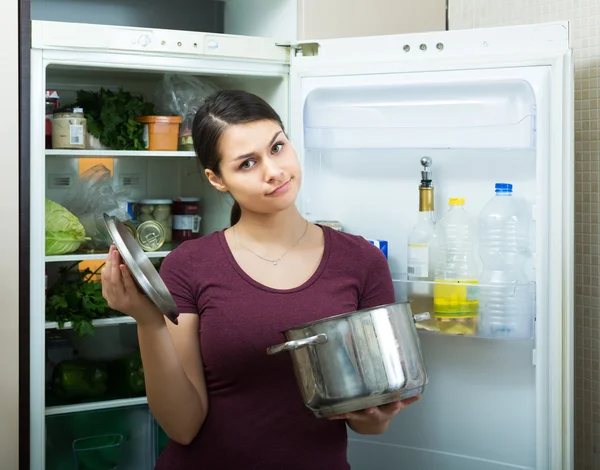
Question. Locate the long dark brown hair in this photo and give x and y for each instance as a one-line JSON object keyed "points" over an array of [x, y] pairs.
{"points": [[219, 111]]}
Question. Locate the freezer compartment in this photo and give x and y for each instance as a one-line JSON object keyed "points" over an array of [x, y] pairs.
{"points": [[497, 311], [134, 451], [485, 114]]}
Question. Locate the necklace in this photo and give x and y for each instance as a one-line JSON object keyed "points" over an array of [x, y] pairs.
{"points": [[274, 261]]}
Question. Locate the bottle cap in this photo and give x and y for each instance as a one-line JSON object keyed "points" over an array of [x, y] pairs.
{"points": [[456, 201], [504, 188]]}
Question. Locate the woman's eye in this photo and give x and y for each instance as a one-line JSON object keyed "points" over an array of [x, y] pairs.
{"points": [[247, 165], [277, 147]]}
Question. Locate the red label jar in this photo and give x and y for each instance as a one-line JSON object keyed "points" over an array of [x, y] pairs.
{"points": [[186, 218]]}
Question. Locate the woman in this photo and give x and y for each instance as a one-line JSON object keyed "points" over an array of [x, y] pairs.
{"points": [[223, 402]]}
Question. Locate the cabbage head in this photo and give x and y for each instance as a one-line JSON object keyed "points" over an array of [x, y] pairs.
{"points": [[64, 232]]}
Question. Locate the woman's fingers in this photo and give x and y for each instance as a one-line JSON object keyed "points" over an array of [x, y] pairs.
{"points": [[105, 274], [128, 281], [115, 275]]}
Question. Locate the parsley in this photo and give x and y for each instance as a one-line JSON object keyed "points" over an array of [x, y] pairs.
{"points": [[111, 117], [76, 297]]}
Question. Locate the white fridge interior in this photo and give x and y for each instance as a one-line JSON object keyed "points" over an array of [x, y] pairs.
{"points": [[491, 404]]}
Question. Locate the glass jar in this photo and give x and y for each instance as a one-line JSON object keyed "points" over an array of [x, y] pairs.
{"points": [[69, 129], [186, 218], [160, 211]]}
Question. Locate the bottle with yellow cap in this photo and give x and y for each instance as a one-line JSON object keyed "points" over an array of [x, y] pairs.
{"points": [[455, 302]]}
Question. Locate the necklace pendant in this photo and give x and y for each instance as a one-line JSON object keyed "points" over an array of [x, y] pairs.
{"points": [[275, 263]]}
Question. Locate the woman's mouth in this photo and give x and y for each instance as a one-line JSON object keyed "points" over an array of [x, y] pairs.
{"points": [[280, 189]]}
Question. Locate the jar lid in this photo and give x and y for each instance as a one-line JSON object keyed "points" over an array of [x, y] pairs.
{"points": [[67, 110], [156, 201], [186, 199]]}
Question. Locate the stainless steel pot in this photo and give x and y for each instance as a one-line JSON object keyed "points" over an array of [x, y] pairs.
{"points": [[357, 360]]}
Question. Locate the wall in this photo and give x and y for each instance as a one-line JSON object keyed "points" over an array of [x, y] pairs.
{"points": [[322, 19], [9, 208], [585, 21], [267, 18]]}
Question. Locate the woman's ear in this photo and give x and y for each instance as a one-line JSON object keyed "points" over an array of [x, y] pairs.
{"points": [[215, 181]]}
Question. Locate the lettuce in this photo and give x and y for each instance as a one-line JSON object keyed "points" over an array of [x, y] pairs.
{"points": [[64, 232]]}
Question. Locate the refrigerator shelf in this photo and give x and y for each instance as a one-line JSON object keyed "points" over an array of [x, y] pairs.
{"points": [[475, 298], [117, 153], [96, 405], [125, 320], [72, 257], [420, 112]]}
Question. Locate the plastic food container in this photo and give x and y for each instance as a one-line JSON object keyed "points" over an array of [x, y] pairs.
{"points": [[161, 132], [158, 210], [69, 129], [186, 218], [101, 452]]}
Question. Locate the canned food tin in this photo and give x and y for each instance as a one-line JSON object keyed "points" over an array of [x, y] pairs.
{"points": [[150, 235], [129, 226]]}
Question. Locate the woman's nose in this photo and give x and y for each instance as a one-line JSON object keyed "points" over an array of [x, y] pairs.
{"points": [[272, 169]]}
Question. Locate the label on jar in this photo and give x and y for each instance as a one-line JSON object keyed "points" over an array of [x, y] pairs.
{"points": [[418, 260], [186, 222], [76, 134], [145, 136]]}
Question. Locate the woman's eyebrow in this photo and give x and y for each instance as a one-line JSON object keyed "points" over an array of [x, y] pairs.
{"points": [[248, 155]]}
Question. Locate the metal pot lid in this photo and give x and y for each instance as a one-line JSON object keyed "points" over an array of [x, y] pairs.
{"points": [[141, 268]]}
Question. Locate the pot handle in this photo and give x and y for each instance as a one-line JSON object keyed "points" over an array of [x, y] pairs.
{"points": [[297, 344], [418, 317]]}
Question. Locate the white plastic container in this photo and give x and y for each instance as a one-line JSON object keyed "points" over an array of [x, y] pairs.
{"points": [[504, 247]]}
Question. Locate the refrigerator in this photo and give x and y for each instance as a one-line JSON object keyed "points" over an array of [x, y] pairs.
{"points": [[487, 106]]}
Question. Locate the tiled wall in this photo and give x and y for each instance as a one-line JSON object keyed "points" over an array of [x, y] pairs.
{"points": [[584, 16]]}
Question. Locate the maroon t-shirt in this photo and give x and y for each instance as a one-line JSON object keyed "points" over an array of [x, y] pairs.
{"points": [[256, 417]]}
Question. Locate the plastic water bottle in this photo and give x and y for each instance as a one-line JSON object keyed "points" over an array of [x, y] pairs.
{"points": [[455, 303], [505, 311]]}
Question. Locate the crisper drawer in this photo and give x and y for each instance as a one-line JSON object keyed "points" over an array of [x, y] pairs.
{"points": [[122, 437]]}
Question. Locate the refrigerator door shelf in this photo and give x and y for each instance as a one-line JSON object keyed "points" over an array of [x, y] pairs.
{"points": [[456, 113]]}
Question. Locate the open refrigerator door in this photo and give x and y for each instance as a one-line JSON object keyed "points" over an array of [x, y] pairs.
{"points": [[482, 107]]}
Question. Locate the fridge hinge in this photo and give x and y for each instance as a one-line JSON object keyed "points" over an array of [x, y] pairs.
{"points": [[301, 48]]}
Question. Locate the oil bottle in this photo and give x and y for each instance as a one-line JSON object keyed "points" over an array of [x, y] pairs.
{"points": [[422, 250]]}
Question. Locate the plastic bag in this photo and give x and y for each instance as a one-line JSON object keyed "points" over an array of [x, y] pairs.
{"points": [[182, 95], [93, 195]]}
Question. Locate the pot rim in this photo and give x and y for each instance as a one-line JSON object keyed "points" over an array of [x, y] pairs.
{"points": [[342, 315]]}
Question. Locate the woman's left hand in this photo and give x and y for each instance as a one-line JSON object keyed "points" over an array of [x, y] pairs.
{"points": [[375, 420]]}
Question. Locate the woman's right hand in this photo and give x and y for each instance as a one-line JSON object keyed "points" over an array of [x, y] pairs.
{"points": [[122, 294]]}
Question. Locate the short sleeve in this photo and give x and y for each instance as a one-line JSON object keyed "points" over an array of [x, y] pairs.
{"points": [[378, 288], [176, 273]]}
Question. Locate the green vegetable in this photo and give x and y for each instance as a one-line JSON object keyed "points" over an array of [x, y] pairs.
{"points": [[111, 117], [64, 232], [79, 379], [126, 375], [75, 297]]}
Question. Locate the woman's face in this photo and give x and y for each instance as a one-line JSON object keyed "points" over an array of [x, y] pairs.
{"points": [[258, 167]]}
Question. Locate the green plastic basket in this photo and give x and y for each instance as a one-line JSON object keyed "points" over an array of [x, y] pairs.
{"points": [[100, 452]]}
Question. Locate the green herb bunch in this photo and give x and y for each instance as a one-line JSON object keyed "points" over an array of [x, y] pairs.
{"points": [[76, 297], [111, 117]]}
